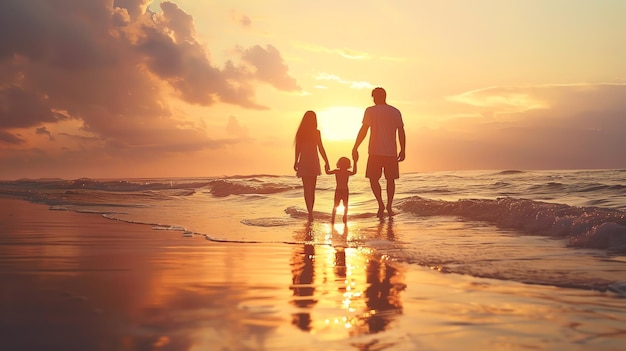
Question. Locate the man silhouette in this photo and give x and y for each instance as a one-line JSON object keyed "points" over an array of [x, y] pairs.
{"points": [[385, 122]]}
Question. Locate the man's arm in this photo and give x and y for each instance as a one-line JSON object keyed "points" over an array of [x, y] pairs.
{"points": [[359, 139], [402, 139]]}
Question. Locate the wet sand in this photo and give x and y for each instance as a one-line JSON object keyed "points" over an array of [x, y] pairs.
{"points": [[73, 281]]}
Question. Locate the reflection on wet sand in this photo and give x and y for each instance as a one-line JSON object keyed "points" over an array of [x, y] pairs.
{"points": [[343, 290], [81, 282], [303, 289]]}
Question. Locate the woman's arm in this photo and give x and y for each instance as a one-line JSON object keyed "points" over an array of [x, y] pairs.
{"points": [[295, 162], [320, 147]]}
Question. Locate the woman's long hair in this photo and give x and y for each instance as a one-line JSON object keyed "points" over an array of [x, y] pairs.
{"points": [[308, 128]]}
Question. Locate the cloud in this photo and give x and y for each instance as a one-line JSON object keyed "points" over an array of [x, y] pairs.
{"points": [[334, 78], [242, 20], [245, 21], [8, 138], [113, 65], [234, 128], [503, 99], [346, 53], [178, 22], [44, 131], [134, 8], [343, 52], [564, 98], [548, 126], [81, 138], [270, 67], [170, 51], [352, 54], [20, 108]]}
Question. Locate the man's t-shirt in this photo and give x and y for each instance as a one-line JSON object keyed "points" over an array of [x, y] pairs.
{"points": [[383, 120]]}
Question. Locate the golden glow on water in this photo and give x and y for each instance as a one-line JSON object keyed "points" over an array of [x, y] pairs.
{"points": [[340, 210], [341, 289], [128, 286]]}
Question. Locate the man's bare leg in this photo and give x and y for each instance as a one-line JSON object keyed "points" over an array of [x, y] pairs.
{"points": [[391, 190], [376, 189]]}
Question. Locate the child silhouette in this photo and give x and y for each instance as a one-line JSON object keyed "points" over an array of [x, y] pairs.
{"points": [[342, 173]]}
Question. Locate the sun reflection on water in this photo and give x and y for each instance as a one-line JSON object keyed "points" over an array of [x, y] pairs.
{"points": [[339, 288]]}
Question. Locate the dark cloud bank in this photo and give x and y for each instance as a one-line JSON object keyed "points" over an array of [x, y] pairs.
{"points": [[107, 65]]}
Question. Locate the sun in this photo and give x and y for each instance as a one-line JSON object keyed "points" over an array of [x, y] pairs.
{"points": [[340, 123]]}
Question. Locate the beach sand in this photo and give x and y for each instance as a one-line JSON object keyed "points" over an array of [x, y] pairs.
{"points": [[75, 281]]}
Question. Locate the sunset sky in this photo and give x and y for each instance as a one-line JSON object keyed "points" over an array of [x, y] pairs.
{"points": [[133, 88]]}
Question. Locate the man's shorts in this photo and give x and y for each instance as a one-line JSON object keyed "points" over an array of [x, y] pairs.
{"points": [[376, 164]]}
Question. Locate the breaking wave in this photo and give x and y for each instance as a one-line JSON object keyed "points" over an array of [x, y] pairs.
{"points": [[589, 227]]}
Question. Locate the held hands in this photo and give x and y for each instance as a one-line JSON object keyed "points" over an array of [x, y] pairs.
{"points": [[327, 168], [355, 155]]}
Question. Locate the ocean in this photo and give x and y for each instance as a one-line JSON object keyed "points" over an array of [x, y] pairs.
{"points": [[554, 228]]}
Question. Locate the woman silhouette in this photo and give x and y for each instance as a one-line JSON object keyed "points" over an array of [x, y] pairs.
{"points": [[308, 144]]}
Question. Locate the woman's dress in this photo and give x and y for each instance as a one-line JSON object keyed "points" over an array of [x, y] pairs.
{"points": [[309, 163]]}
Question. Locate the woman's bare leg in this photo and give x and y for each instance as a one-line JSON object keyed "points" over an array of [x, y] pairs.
{"points": [[309, 184]]}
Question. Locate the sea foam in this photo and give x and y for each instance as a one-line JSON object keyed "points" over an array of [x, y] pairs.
{"points": [[583, 226]]}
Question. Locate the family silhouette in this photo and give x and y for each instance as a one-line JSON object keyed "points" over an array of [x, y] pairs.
{"points": [[386, 129]]}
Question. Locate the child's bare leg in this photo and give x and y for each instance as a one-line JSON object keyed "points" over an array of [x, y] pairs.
{"points": [[335, 204]]}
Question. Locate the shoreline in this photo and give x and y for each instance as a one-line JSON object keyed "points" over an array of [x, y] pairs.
{"points": [[80, 281]]}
